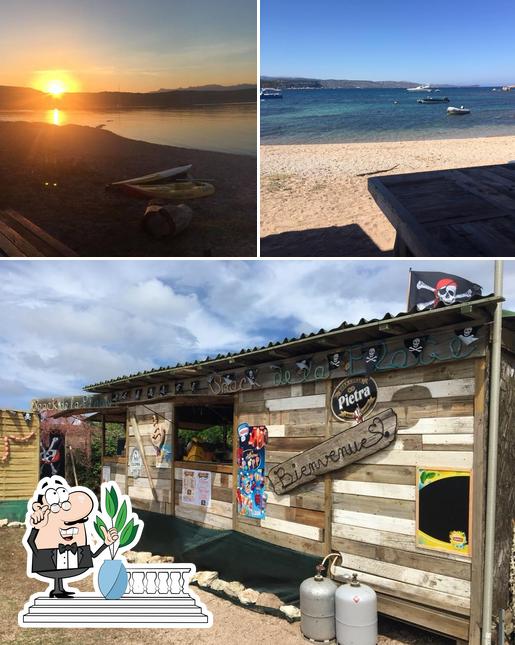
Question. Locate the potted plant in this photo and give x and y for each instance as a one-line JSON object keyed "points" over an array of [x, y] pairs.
{"points": [[116, 511]]}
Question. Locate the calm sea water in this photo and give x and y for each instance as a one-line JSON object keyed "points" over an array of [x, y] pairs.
{"points": [[223, 128], [336, 116]]}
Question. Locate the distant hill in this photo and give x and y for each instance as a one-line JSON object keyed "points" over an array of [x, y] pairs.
{"points": [[299, 83], [15, 98], [318, 83], [212, 88]]}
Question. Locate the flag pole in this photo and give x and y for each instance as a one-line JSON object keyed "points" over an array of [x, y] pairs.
{"points": [[493, 446], [409, 289]]}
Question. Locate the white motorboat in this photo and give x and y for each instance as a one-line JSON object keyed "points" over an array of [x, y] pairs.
{"points": [[270, 93], [460, 110], [420, 88]]}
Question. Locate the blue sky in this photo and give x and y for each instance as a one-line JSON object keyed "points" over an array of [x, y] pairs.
{"points": [[67, 324], [129, 43], [437, 41]]}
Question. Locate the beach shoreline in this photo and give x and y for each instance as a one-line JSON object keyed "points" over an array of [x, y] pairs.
{"points": [[56, 177], [314, 197]]}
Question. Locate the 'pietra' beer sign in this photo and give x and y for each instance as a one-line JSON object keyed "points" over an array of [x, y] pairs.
{"points": [[339, 451], [354, 397]]}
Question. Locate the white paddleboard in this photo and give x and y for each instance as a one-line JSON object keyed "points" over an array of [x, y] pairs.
{"points": [[157, 176]]}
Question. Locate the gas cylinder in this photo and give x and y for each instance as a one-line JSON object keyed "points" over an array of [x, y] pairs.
{"points": [[317, 607], [356, 614]]}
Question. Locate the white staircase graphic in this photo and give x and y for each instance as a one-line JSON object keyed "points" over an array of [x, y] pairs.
{"points": [[157, 596]]}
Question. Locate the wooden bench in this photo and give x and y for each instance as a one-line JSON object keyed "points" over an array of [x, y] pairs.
{"points": [[19, 237], [461, 212]]}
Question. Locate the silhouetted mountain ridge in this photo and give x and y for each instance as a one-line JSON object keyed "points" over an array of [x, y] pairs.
{"points": [[28, 99]]}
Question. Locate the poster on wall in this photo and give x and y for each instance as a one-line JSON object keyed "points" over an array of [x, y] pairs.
{"points": [[51, 455], [250, 492], [162, 443], [135, 463], [443, 510], [196, 487]]}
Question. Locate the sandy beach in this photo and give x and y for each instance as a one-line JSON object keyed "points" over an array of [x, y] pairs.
{"points": [[315, 203], [79, 212]]}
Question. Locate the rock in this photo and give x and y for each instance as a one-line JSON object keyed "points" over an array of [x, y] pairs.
{"points": [[4, 522], [167, 558], [15, 525], [218, 585], [142, 557], [248, 597], [269, 600], [292, 612], [234, 588], [130, 556], [205, 578]]}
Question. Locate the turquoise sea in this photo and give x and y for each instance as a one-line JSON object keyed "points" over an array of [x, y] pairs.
{"points": [[345, 115]]}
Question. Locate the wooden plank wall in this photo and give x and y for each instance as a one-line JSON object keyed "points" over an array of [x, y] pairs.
{"points": [[374, 501], [118, 466], [219, 513], [296, 417], [505, 509], [154, 493], [19, 475]]}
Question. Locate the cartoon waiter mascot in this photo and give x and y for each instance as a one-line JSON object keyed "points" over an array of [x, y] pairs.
{"points": [[57, 538]]}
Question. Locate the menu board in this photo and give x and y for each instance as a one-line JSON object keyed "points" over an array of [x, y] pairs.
{"points": [[443, 510], [196, 487]]}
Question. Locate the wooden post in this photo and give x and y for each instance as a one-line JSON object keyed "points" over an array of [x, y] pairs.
{"points": [[143, 456], [328, 478], [103, 437], [478, 501], [173, 426], [235, 440]]}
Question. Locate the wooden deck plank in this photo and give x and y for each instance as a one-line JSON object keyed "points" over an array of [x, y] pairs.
{"points": [[457, 212]]}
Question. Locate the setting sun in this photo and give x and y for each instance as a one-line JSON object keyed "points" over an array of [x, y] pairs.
{"points": [[55, 82], [56, 88]]}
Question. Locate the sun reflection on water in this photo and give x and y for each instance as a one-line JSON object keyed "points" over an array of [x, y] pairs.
{"points": [[56, 117]]}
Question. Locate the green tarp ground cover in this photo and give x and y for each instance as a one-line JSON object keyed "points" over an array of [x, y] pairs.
{"points": [[253, 562], [13, 510]]}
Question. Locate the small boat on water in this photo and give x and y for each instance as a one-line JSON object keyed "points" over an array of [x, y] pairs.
{"points": [[420, 88], [434, 99], [270, 93], [455, 110]]}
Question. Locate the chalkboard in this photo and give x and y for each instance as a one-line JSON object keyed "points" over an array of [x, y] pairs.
{"points": [[443, 510]]}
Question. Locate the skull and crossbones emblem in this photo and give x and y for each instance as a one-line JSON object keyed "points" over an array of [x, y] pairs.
{"points": [[444, 291], [51, 455], [467, 335], [416, 346], [371, 356], [251, 376]]}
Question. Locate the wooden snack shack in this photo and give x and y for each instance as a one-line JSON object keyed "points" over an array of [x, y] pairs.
{"points": [[369, 439]]}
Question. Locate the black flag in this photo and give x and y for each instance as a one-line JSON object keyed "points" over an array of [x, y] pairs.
{"points": [[430, 288]]}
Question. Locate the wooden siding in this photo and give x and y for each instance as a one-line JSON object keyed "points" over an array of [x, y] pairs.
{"points": [[152, 490], [374, 513], [296, 416], [19, 475]]}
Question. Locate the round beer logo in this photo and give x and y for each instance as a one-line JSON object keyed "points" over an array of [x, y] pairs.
{"points": [[353, 398]]}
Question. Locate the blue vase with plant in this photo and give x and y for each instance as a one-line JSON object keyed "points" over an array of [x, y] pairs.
{"points": [[116, 510]]}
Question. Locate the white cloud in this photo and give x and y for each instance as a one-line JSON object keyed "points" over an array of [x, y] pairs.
{"points": [[65, 324]]}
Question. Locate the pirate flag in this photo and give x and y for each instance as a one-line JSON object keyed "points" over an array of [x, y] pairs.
{"points": [[467, 335], [430, 288]]}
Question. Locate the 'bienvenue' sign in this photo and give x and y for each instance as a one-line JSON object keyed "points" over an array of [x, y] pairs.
{"points": [[339, 451]]}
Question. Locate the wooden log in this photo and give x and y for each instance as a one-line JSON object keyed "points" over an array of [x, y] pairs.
{"points": [[166, 220]]}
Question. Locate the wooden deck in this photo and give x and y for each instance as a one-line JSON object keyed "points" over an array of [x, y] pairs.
{"points": [[463, 212], [19, 237]]}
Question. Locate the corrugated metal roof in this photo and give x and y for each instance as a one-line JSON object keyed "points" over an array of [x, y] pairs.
{"points": [[411, 321]]}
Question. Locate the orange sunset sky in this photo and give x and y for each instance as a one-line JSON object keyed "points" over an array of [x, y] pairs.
{"points": [[127, 45]]}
